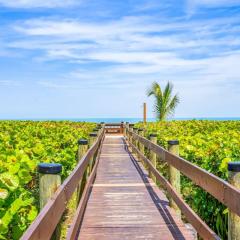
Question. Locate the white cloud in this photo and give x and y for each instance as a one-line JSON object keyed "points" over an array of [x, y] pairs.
{"points": [[134, 51], [38, 3]]}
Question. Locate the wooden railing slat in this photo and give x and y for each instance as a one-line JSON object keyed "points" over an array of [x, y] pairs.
{"points": [[202, 228], [47, 220], [72, 232], [217, 187]]}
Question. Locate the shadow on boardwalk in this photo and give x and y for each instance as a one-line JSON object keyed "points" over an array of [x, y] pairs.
{"points": [[162, 205]]}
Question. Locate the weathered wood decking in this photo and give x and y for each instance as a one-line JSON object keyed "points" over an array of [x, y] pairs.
{"points": [[125, 204]]}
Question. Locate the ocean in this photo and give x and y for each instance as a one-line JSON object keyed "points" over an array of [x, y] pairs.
{"points": [[124, 119]]}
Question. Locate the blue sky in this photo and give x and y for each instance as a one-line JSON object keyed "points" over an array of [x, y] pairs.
{"points": [[96, 58]]}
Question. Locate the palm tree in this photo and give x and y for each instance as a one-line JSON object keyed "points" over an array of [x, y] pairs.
{"points": [[165, 104]]}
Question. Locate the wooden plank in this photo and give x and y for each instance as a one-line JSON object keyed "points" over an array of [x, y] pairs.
{"points": [[125, 204], [217, 187]]}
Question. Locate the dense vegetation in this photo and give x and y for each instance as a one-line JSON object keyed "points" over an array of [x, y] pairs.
{"points": [[210, 145], [24, 144]]}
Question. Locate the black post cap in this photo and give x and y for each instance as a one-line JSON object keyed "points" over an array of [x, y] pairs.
{"points": [[131, 125], [173, 142], [135, 128], [152, 135], [93, 134], [82, 142], [140, 129], [49, 168], [234, 166]]}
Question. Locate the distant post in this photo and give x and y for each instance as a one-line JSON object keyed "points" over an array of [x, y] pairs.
{"points": [[144, 113], [49, 182], [234, 219], [174, 174]]}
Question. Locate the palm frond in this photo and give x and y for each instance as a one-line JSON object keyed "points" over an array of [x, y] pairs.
{"points": [[154, 90], [173, 104], [164, 103]]}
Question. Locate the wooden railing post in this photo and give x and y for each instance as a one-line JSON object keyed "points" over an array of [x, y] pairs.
{"points": [[174, 174], [125, 129], [102, 124], [92, 138], [153, 156], [122, 128], [140, 145], [82, 149], [96, 130], [135, 142], [49, 181], [129, 135], [234, 219]]}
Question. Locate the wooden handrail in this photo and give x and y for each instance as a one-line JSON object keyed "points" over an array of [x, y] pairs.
{"points": [[217, 187], [201, 227], [47, 220], [114, 127], [113, 124], [73, 230]]}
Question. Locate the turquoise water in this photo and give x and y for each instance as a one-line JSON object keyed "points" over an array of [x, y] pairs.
{"points": [[132, 120]]}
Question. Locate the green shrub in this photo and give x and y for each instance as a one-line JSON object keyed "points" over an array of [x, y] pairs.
{"points": [[24, 144], [210, 145]]}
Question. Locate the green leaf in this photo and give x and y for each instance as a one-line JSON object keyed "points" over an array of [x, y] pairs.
{"points": [[32, 214], [224, 163], [14, 168], [9, 180], [24, 176], [3, 193]]}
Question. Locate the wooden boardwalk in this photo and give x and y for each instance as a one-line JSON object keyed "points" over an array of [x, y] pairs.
{"points": [[119, 201], [125, 204]]}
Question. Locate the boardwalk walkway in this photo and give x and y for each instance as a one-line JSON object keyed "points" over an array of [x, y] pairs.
{"points": [[125, 204]]}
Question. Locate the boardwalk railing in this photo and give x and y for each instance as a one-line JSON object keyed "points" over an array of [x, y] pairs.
{"points": [[114, 128], [46, 222], [217, 187]]}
